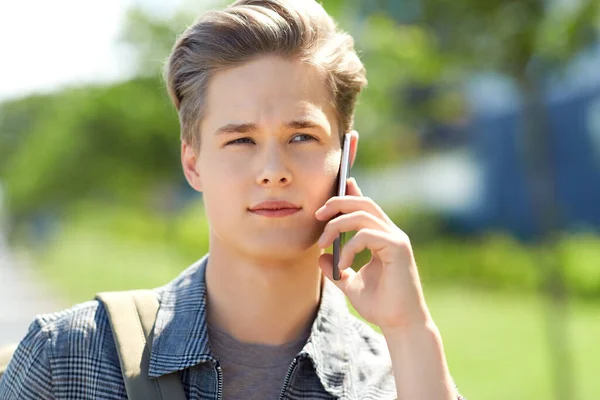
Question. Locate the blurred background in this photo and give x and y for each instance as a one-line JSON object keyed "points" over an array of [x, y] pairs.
{"points": [[480, 137]]}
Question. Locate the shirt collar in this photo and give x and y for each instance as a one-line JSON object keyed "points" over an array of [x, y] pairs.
{"points": [[181, 335]]}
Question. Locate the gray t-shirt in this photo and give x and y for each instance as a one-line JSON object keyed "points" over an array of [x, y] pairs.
{"points": [[252, 371]]}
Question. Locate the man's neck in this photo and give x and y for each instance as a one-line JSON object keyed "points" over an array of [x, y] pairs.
{"points": [[258, 303]]}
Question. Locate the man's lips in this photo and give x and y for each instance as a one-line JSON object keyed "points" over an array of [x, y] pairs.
{"points": [[275, 208]]}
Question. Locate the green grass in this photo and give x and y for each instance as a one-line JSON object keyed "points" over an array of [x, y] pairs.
{"points": [[497, 346], [94, 263], [495, 342]]}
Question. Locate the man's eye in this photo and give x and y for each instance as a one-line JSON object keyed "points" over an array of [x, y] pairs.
{"points": [[302, 138], [244, 140]]}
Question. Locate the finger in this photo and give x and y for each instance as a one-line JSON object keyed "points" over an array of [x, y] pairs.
{"points": [[347, 223], [374, 240], [326, 265], [352, 188], [349, 204]]}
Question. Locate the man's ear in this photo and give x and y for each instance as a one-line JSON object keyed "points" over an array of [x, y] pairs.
{"points": [[353, 146], [189, 162]]}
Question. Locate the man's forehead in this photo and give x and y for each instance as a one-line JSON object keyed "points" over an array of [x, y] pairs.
{"points": [[302, 115], [269, 91], [270, 98]]}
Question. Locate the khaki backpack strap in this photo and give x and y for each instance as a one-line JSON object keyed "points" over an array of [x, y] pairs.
{"points": [[132, 315]]}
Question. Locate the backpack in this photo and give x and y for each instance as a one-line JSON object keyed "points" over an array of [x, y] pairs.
{"points": [[131, 315]]}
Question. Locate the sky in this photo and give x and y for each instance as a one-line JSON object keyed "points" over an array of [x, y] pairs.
{"points": [[45, 45]]}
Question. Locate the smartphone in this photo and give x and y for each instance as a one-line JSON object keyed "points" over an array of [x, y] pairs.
{"points": [[342, 178]]}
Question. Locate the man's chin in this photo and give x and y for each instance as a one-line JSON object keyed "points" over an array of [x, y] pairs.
{"points": [[281, 249]]}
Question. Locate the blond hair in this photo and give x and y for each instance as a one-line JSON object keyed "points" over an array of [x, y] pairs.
{"points": [[293, 29]]}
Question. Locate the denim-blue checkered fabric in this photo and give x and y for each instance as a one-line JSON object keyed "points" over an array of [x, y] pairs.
{"points": [[71, 354]]}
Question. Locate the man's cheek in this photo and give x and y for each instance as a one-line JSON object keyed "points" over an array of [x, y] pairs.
{"points": [[333, 187]]}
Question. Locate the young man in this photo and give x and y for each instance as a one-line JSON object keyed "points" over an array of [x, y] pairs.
{"points": [[265, 90]]}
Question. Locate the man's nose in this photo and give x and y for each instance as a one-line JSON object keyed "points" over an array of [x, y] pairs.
{"points": [[274, 171]]}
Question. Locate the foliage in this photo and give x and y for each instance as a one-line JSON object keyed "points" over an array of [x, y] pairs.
{"points": [[508, 35], [117, 143]]}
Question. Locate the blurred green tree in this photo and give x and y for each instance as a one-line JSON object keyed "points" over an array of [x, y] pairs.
{"points": [[112, 142]]}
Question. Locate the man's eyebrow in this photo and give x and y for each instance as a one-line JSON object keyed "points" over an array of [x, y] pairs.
{"points": [[237, 128], [250, 127], [303, 124]]}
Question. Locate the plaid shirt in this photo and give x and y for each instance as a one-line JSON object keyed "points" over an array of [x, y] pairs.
{"points": [[71, 354]]}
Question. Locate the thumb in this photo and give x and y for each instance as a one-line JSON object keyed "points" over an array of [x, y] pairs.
{"points": [[326, 265]]}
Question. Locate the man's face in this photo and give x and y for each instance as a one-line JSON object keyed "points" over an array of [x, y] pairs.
{"points": [[269, 135]]}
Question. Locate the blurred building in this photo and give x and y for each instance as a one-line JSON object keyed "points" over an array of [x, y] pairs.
{"points": [[477, 178], [572, 105]]}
